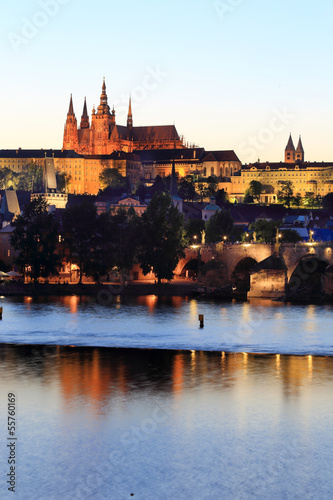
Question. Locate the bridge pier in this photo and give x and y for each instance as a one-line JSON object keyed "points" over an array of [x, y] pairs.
{"points": [[268, 284]]}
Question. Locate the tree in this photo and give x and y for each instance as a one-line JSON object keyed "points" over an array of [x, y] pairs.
{"points": [[158, 186], [30, 178], [112, 181], [311, 200], [255, 190], [212, 186], [81, 238], [35, 238], [194, 228], [6, 178], [291, 236], [140, 191], [121, 241], [297, 200], [163, 237], [221, 197], [218, 226], [247, 197], [63, 181], [201, 190], [285, 192], [186, 188], [265, 230], [327, 201]]}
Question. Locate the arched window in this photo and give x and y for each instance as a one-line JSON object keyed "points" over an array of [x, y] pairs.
{"points": [[204, 171], [212, 171]]}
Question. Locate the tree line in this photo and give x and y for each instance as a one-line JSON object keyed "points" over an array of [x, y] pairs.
{"points": [[97, 244], [30, 178], [286, 196]]}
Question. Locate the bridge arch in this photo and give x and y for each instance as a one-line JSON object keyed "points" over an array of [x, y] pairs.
{"points": [[190, 267], [241, 273], [305, 276]]}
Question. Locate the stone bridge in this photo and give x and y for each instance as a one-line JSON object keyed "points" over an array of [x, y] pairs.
{"points": [[239, 262]]}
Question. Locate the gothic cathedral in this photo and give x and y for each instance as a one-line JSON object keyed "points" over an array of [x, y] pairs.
{"points": [[104, 136]]}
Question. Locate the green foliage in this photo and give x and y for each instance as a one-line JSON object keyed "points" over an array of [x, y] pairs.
{"points": [[285, 193], [218, 226], [158, 186], [327, 201], [63, 181], [291, 236], [186, 188], [265, 230], [140, 191], [297, 200], [236, 234], [201, 190], [163, 237], [194, 227], [81, 239], [120, 233], [221, 197], [248, 198], [113, 182], [7, 178], [212, 186], [35, 239], [29, 179], [311, 200], [255, 190]]}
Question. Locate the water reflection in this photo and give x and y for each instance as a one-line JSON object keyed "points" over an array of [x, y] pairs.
{"points": [[251, 425], [94, 374]]}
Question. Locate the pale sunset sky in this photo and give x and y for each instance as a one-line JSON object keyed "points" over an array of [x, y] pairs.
{"points": [[230, 74]]}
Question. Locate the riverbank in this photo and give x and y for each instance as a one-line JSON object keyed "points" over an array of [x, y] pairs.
{"points": [[92, 289]]}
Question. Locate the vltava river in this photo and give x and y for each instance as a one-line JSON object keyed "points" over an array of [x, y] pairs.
{"points": [[108, 423], [169, 323]]}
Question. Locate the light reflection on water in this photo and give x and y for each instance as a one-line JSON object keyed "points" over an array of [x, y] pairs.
{"points": [[169, 323], [105, 423]]}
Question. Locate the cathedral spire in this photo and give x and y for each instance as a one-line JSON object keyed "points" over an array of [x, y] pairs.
{"points": [[70, 132], [84, 117], [103, 108], [71, 107], [129, 116], [289, 152], [290, 146], [300, 145], [299, 151]]}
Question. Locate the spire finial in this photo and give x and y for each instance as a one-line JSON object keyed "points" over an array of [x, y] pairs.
{"points": [[71, 107], [84, 117], [130, 106], [129, 116]]}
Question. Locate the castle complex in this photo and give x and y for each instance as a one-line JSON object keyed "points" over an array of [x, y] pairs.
{"points": [[104, 135], [142, 153]]}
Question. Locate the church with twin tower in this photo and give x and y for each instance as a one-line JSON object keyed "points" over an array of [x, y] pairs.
{"points": [[103, 135]]}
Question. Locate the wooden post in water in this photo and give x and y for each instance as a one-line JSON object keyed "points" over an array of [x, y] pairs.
{"points": [[201, 319], [0, 312]]}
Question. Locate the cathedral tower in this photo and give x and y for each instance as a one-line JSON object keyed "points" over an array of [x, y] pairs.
{"points": [[299, 151], [289, 154], [102, 124], [85, 117], [70, 132]]}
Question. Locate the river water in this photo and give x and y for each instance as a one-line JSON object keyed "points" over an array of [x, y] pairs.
{"points": [[241, 409]]}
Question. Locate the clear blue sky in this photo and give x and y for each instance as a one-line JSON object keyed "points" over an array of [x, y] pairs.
{"points": [[231, 74]]}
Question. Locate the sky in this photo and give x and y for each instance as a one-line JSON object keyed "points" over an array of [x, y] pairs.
{"points": [[230, 74]]}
